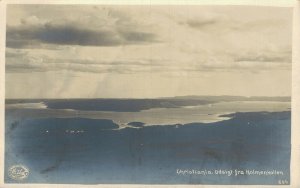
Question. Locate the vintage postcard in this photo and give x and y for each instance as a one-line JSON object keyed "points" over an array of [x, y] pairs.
{"points": [[147, 94]]}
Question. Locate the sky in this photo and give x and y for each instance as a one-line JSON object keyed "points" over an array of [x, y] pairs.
{"points": [[140, 51]]}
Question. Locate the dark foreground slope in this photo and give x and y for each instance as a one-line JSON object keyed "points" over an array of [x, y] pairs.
{"points": [[64, 150]]}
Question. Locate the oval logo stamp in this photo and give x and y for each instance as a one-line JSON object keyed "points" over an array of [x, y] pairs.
{"points": [[18, 172]]}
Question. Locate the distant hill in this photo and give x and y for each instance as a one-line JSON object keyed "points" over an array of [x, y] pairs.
{"points": [[235, 98], [135, 105]]}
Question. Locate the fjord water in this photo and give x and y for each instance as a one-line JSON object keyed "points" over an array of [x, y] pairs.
{"points": [[91, 147]]}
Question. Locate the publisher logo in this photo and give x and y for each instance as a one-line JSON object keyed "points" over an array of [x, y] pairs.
{"points": [[18, 172]]}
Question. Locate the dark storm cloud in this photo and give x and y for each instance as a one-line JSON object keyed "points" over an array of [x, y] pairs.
{"points": [[35, 36]]}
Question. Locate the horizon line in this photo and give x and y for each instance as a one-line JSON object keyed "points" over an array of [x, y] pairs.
{"points": [[282, 96]]}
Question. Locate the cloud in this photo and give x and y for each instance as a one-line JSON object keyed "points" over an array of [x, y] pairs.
{"points": [[35, 36], [183, 42], [255, 61], [283, 57], [200, 24], [226, 25], [203, 20], [21, 62], [89, 26], [220, 22]]}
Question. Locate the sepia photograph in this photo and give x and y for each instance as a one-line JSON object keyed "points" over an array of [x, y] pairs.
{"points": [[148, 94]]}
